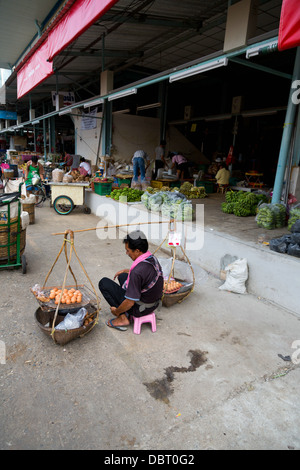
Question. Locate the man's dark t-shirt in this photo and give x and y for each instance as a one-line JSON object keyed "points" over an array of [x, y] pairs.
{"points": [[140, 278]]}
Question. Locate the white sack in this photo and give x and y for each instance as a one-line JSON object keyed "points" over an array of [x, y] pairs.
{"points": [[236, 276]]}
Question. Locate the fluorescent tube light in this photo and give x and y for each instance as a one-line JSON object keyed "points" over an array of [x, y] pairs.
{"points": [[219, 117], [122, 111], [94, 103], [122, 94], [35, 122], [258, 112], [254, 51], [65, 111], [206, 66], [148, 106]]}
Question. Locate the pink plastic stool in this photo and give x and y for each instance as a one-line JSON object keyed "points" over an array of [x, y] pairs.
{"points": [[138, 321]]}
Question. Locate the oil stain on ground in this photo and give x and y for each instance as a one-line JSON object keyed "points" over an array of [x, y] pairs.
{"points": [[162, 389]]}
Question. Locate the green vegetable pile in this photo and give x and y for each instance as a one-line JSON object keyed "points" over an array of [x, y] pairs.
{"points": [[187, 189], [171, 204], [242, 204], [294, 216], [271, 216], [191, 192], [126, 195]]}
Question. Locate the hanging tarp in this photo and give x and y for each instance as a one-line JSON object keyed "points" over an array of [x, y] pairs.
{"points": [[289, 27], [79, 18], [34, 71]]}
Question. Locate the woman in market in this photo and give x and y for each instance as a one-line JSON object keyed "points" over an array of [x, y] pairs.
{"points": [[223, 176], [140, 288], [68, 160], [181, 164], [33, 171], [84, 167]]}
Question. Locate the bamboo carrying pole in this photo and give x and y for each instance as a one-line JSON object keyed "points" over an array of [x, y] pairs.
{"points": [[171, 222], [115, 226]]}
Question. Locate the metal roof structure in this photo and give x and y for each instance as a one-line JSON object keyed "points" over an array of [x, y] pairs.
{"points": [[136, 39]]}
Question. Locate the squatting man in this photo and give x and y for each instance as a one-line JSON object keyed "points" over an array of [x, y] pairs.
{"points": [[140, 288]]}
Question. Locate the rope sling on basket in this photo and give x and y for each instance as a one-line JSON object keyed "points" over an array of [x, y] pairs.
{"points": [[94, 314], [175, 296]]}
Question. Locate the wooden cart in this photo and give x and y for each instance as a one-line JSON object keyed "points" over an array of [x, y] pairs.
{"points": [[65, 196]]}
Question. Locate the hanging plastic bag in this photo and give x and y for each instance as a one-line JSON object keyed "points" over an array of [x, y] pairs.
{"points": [[36, 180], [72, 321], [236, 277]]}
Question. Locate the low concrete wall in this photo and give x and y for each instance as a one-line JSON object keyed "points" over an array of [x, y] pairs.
{"points": [[272, 276]]}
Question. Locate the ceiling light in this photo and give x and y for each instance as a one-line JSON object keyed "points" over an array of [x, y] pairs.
{"points": [[199, 69], [35, 122], [122, 94], [219, 117], [269, 47], [148, 106], [94, 103], [65, 111], [258, 112], [122, 111]]}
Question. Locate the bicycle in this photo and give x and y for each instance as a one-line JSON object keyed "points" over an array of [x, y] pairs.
{"points": [[39, 192]]}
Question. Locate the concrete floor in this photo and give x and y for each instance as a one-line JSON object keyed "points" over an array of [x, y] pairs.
{"points": [[209, 378], [244, 228]]}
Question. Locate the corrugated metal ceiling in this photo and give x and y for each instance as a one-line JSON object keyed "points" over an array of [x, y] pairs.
{"points": [[145, 36]]}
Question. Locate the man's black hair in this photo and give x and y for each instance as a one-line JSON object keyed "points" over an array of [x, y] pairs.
{"points": [[137, 241], [34, 159]]}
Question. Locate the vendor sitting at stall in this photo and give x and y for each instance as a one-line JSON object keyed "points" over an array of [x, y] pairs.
{"points": [[223, 176], [141, 286], [34, 173], [84, 167]]}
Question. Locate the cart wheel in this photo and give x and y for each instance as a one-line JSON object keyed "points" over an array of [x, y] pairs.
{"points": [[24, 264], [87, 210], [63, 205]]}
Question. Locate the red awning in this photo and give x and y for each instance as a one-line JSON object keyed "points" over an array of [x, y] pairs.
{"points": [[34, 71], [81, 15], [79, 18], [289, 28]]}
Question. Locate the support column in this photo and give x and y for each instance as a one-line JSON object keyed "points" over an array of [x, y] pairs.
{"points": [[52, 143], [296, 153], [286, 136], [107, 84], [163, 98]]}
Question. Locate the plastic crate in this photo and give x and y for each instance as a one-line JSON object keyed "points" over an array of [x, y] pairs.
{"points": [[208, 185], [103, 189], [124, 181], [157, 184]]}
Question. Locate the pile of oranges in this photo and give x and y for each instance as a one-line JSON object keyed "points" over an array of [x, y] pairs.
{"points": [[69, 296]]}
